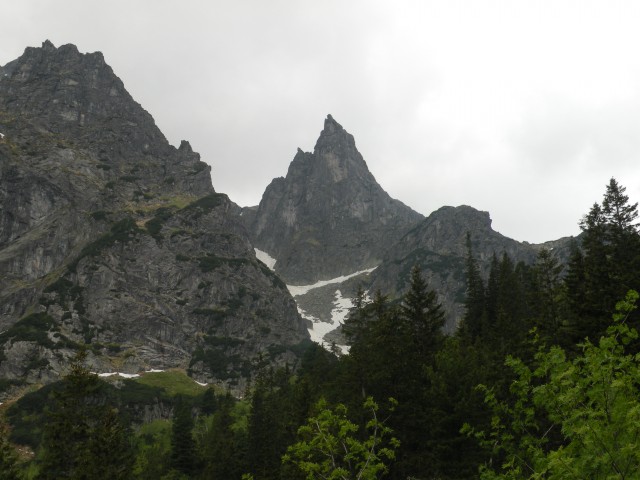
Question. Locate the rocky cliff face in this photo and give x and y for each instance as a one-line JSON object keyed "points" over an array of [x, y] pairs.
{"points": [[112, 237], [328, 217]]}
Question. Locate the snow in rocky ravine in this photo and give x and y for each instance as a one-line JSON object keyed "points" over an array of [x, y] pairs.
{"points": [[265, 258], [341, 305], [296, 290]]}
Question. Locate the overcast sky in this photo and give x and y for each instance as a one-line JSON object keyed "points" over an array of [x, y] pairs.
{"points": [[524, 109]]}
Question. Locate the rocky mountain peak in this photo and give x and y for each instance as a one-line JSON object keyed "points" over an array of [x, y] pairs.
{"points": [[329, 216], [63, 91], [111, 236], [333, 135], [336, 151]]}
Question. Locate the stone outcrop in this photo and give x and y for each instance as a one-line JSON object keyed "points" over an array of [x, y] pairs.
{"points": [[328, 217], [438, 245], [113, 238]]}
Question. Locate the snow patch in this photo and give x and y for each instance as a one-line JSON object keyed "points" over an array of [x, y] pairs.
{"points": [[318, 330], [341, 307], [154, 370], [120, 374], [1, 135], [297, 290], [265, 258], [200, 383]]}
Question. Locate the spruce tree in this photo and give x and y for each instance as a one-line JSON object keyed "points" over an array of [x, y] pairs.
{"points": [[423, 315], [183, 451], [475, 308], [546, 296], [264, 448], [221, 448], [83, 437], [611, 261]]}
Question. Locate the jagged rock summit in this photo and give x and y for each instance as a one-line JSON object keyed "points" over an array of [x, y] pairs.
{"points": [[113, 238], [328, 217]]}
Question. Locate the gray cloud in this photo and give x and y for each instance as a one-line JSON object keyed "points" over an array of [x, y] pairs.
{"points": [[506, 106]]}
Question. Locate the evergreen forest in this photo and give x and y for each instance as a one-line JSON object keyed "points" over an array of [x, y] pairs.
{"points": [[540, 380]]}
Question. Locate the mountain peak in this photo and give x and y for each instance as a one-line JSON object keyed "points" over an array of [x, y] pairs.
{"points": [[330, 125], [94, 199], [64, 91], [328, 217], [48, 46], [335, 139]]}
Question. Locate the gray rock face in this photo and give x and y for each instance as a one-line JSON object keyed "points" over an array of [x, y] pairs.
{"points": [[328, 217], [112, 237], [438, 246]]}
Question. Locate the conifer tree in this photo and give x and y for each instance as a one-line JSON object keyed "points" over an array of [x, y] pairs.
{"points": [[8, 456], [221, 448], [359, 314], [475, 308], [423, 315], [183, 452], [574, 280], [263, 448], [547, 291], [209, 402], [79, 427], [611, 260]]}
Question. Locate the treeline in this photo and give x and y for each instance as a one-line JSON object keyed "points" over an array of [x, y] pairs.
{"points": [[516, 392]]}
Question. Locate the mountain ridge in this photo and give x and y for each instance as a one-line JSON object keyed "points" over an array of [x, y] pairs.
{"points": [[112, 237]]}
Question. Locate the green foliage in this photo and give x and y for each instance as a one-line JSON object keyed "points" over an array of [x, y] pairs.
{"points": [[608, 265], [183, 453], [83, 437], [7, 383], [122, 231], [422, 316], [204, 205], [548, 290], [329, 446], [153, 450], [571, 412], [65, 289], [575, 418], [154, 226], [32, 328], [475, 302], [9, 469], [172, 382], [221, 444]]}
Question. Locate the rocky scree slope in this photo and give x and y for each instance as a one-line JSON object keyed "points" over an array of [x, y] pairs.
{"points": [[328, 217], [111, 237]]}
